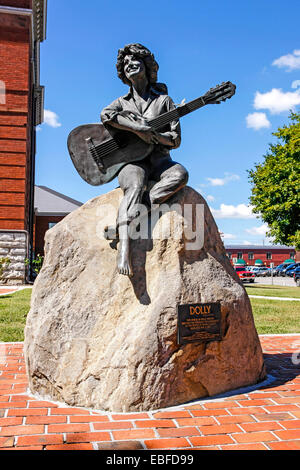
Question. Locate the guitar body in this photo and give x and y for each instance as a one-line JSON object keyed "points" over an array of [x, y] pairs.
{"points": [[131, 149]]}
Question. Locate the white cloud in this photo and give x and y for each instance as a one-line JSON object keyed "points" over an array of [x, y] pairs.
{"points": [[221, 181], [261, 230], [277, 101], [51, 118], [246, 242], [296, 84], [253, 243], [210, 198], [289, 61], [241, 211], [257, 121], [228, 236]]}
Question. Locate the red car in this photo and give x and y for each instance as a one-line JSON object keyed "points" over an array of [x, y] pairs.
{"points": [[244, 274]]}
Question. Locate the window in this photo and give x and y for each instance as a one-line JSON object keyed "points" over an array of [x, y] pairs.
{"points": [[240, 256], [51, 224], [269, 255], [250, 256]]}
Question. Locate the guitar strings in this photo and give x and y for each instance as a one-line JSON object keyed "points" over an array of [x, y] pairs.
{"points": [[111, 145], [106, 145]]}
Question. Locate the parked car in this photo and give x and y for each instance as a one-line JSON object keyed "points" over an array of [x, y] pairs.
{"points": [[261, 271], [280, 268], [291, 269], [297, 276], [277, 269], [286, 268], [265, 272], [244, 274], [253, 269], [270, 272]]}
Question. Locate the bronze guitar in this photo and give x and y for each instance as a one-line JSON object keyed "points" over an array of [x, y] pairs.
{"points": [[98, 155]]}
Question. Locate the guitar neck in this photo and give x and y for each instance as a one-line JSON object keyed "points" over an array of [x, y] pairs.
{"points": [[176, 113]]}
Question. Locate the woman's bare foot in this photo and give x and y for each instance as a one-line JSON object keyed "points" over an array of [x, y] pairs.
{"points": [[123, 258]]}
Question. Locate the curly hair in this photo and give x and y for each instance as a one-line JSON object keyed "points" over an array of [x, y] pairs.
{"points": [[141, 52]]}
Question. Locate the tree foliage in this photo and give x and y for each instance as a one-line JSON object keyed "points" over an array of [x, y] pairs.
{"points": [[276, 185]]}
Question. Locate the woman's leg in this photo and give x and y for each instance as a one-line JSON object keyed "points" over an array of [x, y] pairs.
{"points": [[133, 181], [170, 177]]}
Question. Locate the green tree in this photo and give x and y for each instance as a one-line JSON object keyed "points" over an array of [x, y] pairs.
{"points": [[276, 185]]}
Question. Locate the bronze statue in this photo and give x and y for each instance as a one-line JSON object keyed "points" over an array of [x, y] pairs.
{"points": [[145, 100], [134, 142]]}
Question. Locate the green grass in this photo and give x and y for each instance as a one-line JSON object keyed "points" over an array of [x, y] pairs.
{"points": [[13, 312], [274, 291], [270, 316], [276, 316]]}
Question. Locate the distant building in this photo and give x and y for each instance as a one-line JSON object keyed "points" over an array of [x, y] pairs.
{"points": [[50, 207], [276, 254], [22, 29]]}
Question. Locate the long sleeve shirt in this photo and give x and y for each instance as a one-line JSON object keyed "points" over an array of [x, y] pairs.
{"points": [[157, 104]]}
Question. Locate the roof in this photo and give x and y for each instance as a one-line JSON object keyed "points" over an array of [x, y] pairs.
{"points": [[48, 202], [259, 247]]}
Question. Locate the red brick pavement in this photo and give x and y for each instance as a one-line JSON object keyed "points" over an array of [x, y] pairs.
{"points": [[265, 418], [7, 290]]}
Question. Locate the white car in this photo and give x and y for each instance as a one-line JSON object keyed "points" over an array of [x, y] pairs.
{"points": [[262, 271]]}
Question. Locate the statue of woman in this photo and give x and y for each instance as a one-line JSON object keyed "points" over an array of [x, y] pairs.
{"points": [[145, 100]]}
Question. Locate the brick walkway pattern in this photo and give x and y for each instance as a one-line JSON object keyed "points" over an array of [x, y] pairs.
{"points": [[267, 418], [7, 290]]}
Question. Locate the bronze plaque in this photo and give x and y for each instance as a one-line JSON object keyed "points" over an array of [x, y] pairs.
{"points": [[198, 323]]}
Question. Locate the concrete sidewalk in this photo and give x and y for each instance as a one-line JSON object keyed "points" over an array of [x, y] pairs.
{"points": [[272, 298]]}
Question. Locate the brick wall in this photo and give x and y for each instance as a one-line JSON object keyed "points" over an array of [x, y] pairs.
{"points": [[15, 118], [278, 255], [41, 225]]}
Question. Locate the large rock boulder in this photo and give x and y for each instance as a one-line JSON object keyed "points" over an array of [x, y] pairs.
{"points": [[95, 338]]}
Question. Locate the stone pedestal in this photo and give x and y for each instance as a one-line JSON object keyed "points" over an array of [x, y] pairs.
{"points": [[98, 339]]}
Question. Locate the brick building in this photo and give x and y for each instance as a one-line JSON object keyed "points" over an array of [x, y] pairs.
{"points": [[50, 207], [22, 29], [276, 254]]}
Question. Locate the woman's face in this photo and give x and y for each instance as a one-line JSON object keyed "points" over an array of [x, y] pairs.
{"points": [[134, 68]]}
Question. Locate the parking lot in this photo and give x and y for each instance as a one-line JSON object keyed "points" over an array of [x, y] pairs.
{"points": [[276, 281]]}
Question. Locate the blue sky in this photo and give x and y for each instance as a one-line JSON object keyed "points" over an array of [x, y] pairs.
{"points": [[198, 44]]}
